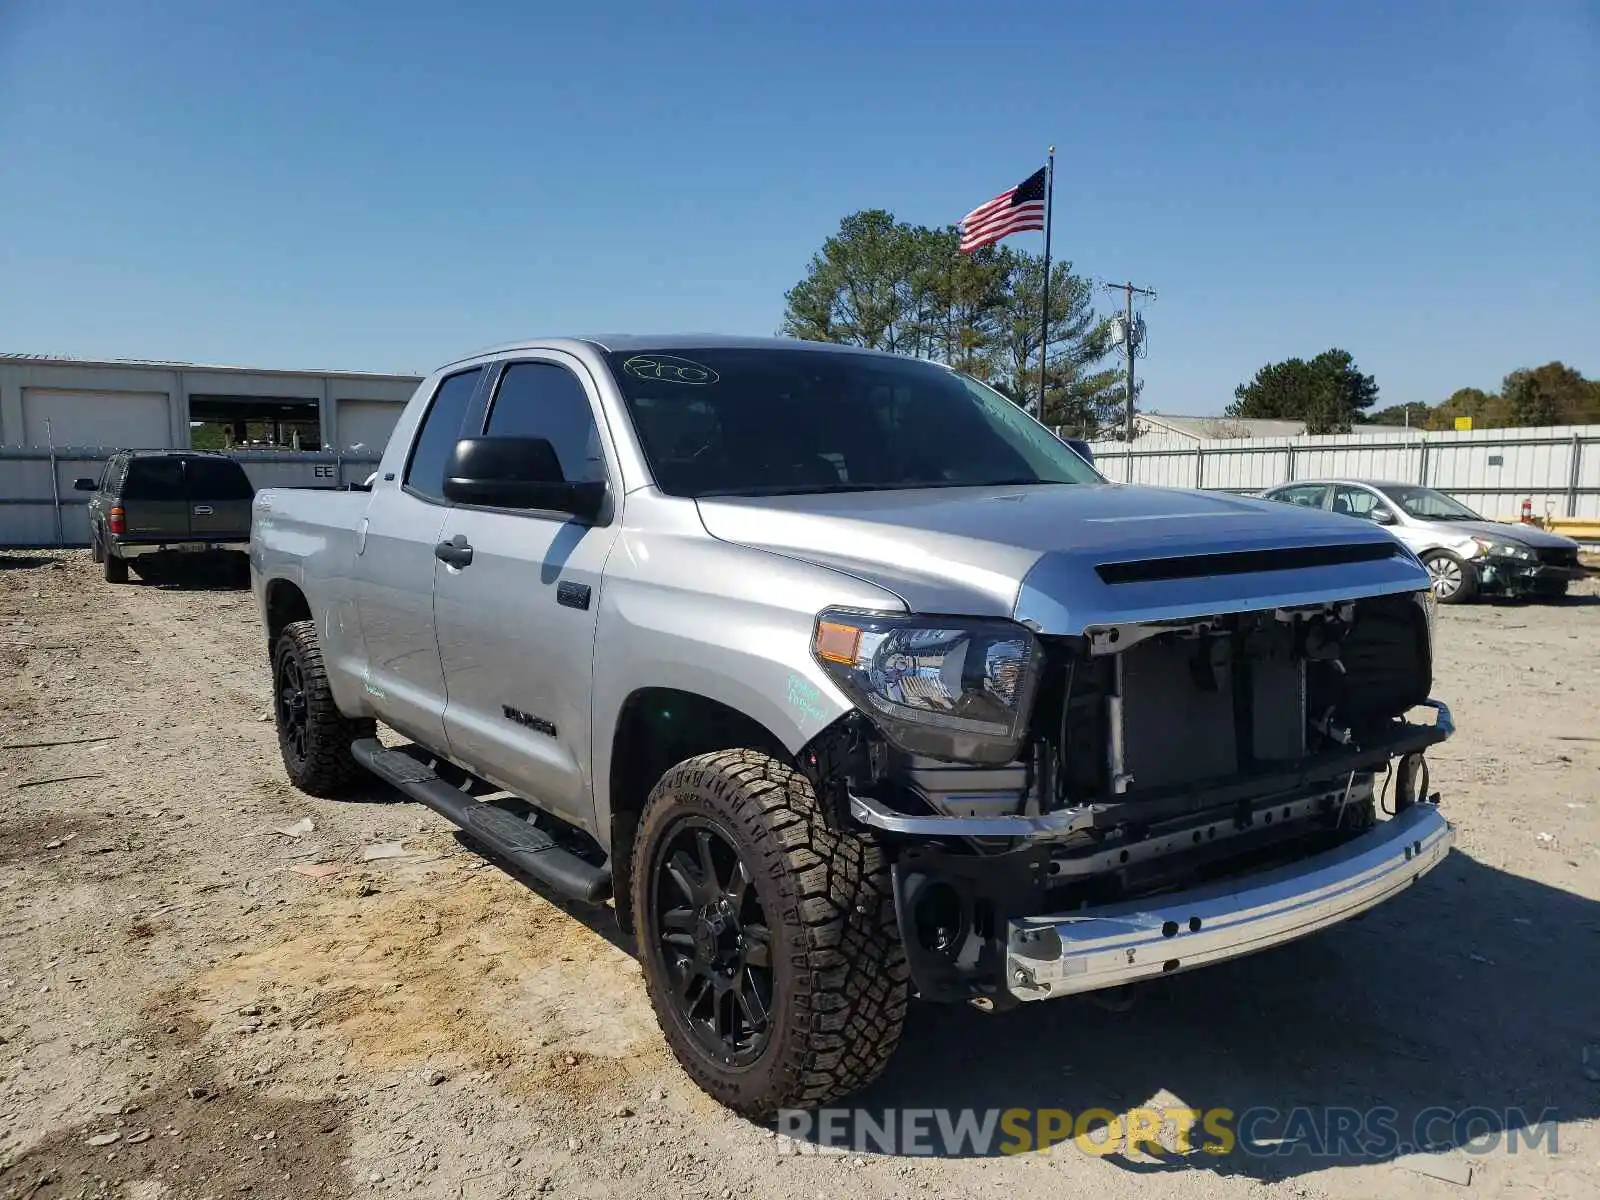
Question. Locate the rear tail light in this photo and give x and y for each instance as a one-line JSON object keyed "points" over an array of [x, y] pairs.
{"points": [[119, 520]]}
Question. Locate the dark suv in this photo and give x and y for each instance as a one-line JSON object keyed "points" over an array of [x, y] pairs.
{"points": [[166, 501]]}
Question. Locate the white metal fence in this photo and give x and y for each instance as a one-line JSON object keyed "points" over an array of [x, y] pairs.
{"points": [[38, 506], [1490, 470]]}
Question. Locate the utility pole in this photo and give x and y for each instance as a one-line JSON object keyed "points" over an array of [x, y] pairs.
{"points": [[1131, 345]]}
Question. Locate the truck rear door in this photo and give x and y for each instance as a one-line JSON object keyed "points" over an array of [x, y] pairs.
{"points": [[154, 503], [395, 566], [219, 495]]}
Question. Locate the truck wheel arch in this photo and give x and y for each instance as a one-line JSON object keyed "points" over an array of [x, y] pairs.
{"points": [[657, 728], [285, 603]]}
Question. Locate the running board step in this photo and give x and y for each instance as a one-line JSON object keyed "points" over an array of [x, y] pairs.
{"points": [[521, 843]]}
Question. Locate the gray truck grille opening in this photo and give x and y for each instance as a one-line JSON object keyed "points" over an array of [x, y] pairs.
{"points": [[1195, 709], [1256, 695]]}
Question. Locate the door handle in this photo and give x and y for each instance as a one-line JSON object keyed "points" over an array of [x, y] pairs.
{"points": [[457, 552], [202, 510]]}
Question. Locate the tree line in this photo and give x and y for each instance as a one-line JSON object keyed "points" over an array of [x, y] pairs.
{"points": [[908, 289], [1331, 395], [1554, 394], [890, 285]]}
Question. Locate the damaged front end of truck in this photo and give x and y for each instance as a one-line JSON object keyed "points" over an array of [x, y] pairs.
{"points": [[1161, 763]]}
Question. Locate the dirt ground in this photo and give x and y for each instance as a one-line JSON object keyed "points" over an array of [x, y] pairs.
{"points": [[185, 1012]]}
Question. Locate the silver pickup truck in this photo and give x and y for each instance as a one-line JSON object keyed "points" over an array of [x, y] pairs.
{"points": [[847, 681]]}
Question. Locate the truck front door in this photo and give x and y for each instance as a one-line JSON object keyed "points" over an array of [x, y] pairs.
{"points": [[516, 624]]}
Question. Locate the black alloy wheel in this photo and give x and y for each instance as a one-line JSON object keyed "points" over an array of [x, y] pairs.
{"points": [[767, 935], [714, 940], [292, 712], [313, 735]]}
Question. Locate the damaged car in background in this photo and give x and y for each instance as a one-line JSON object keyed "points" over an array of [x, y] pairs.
{"points": [[846, 681], [1465, 555]]}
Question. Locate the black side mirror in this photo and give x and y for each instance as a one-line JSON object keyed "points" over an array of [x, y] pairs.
{"points": [[1383, 516], [517, 472], [85, 485]]}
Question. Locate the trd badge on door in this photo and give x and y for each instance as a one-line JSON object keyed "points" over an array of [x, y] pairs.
{"points": [[538, 724]]}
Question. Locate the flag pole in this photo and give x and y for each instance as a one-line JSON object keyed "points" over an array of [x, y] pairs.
{"points": [[1044, 314]]}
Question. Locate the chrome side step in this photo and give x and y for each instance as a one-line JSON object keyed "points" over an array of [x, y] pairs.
{"points": [[520, 843]]}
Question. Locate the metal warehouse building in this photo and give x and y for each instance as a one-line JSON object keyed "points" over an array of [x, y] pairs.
{"points": [[60, 418]]}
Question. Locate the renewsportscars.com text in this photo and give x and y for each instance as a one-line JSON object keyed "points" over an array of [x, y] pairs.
{"points": [[1373, 1134]]}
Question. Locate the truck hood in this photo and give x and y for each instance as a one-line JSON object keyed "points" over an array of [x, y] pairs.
{"points": [[1033, 553]]}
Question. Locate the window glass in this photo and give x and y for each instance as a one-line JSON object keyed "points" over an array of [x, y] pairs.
{"points": [[1355, 502], [154, 479], [218, 479], [441, 430], [1425, 504], [1308, 495], [745, 422], [538, 399]]}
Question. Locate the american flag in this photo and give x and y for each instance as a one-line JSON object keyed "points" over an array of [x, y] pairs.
{"points": [[1014, 211]]}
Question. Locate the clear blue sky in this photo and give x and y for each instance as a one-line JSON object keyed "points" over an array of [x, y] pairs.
{"points": [[387, 185]]}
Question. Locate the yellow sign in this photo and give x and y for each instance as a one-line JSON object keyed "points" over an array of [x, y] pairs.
{"points": [[1463, 424]]}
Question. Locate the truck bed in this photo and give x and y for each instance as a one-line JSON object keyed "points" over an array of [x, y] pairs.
{"points": [[310, 538]]}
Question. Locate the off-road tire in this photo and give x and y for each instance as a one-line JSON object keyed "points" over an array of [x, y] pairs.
{"points": [[326, 768], [1436, 559], [114, 567], [841, 982]]}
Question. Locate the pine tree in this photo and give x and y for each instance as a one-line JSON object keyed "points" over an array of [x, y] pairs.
{"points": [[891, 286]]}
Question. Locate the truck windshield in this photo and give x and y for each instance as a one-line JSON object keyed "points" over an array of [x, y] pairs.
{"points": [[1425, 504], [763, 422]]}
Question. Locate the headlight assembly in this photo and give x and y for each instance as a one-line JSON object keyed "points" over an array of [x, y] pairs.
{"points": [[1499, 549], [952, 688]]}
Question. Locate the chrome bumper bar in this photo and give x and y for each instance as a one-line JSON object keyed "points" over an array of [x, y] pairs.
{"points": [[1083, 951], [177, 545]]}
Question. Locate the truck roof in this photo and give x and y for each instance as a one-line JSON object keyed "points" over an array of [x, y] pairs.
{"points": [[175, 453], [623, 342]]}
